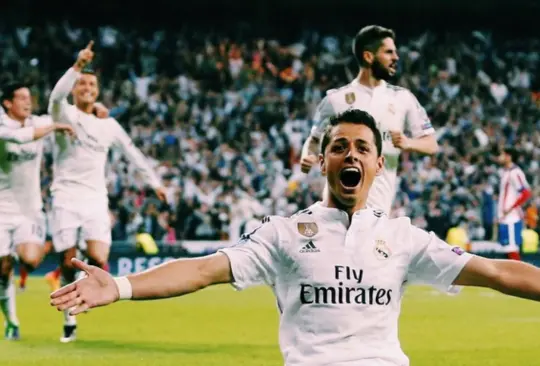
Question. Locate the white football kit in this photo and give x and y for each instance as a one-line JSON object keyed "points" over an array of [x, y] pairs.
{"points": [[393, 108], [80, 197], [339, 287], [21, 207]]}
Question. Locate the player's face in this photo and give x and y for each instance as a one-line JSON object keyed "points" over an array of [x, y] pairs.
{"points": [[20, 107], [86, 89], [504, 158], [350, 163], [384, 65]]}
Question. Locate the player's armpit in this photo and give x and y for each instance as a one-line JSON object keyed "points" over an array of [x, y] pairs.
{"points": [[180, 277], [507, 276]]}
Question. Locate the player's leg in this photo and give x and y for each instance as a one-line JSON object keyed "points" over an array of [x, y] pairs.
{"points": [[507, 239], [52, 277], [7, 287], [518, 240], [65, 234], [29, 239], [96, 232]]}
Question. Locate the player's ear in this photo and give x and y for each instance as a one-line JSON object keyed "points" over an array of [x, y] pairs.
{"points": [[322, 164], [368, 56], [380, 165]]}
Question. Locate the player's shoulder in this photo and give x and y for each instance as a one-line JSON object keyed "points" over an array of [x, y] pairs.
{"points": [[400, 224], [337, 92]]}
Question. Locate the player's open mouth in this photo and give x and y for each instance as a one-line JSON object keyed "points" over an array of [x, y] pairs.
{"points": [[350, 177]]}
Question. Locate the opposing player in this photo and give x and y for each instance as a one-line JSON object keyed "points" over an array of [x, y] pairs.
{"points": [[22, 230], [338, 268], [514, 192], [80, 200], [395, 109]]}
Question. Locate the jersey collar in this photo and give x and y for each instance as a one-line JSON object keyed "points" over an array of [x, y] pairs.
{"points": [[355, 83], [361, 217]]}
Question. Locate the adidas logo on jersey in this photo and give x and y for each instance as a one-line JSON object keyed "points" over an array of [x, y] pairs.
{"points": [[309, 248]]}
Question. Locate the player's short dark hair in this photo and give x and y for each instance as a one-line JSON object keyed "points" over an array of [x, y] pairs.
{"points": [[370, 38], [8, 90], [355, 116], [512, 152]]}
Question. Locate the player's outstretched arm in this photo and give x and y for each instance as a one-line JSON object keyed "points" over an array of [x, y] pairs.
{"points": [[173, 278], [136, 157], [507, 276], [58, 98], [29, 134]]}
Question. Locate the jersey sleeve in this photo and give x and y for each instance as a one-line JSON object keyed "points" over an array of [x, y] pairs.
{"points": [[434, 262], [255, 259], [17, 136], [519, 181], [134, 155], [417, 120], [59, 107], [324, 111]]}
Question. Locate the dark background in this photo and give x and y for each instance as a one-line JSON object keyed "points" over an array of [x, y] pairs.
{"points": [[284, 17]]}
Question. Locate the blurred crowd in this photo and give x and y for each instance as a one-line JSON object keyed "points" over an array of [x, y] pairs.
{"points": [[223, 118]]}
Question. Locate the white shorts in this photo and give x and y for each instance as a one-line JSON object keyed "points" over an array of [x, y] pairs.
{"points": [[16, 230], [71, 226]]}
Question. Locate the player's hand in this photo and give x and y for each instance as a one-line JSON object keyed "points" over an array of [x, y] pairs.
{"points": [[101, 111], [306, 162], [399, 140], [161, 194], [96, 289], [85, 57], [65, 128]]}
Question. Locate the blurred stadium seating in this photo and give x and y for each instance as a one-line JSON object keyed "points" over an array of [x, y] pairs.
{"points": [[223, 114]]}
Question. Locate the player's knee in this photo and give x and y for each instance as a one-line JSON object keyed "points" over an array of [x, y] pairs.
{"points": [[31, 256], [98, 253], [99, 260]]}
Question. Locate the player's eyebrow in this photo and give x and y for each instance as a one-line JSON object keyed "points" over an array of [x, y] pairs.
{"points": [[356, 141]]}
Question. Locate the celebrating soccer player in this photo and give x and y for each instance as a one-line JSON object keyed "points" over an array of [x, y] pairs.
{"points": [[394, 108], [22, 229], [338, 268], [80, 201]]}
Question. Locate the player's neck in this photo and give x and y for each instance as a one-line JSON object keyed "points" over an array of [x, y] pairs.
{"points": [[21, 120], [87, 108], [365, 77]]}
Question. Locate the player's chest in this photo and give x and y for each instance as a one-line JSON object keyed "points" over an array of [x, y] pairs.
{"points": [[387, 110], [352, 258], [92, 136]]}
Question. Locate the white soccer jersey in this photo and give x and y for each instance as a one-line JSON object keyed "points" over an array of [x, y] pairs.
{"points": [[339, 287], [20, 162], [513, 182], [79, 164], [393, 108]]}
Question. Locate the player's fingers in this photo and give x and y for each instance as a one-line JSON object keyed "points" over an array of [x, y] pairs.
{"points": [[64, 290], [90, 45], [81, 265], [65, 298], [69, 304], [83, 307]]}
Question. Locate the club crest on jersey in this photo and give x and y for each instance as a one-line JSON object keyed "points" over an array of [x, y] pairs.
{"points": [[381, 250], [350, 98], [308, 229]]}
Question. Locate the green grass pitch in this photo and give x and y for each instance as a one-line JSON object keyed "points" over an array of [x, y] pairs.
{"points": [[220, 326]]}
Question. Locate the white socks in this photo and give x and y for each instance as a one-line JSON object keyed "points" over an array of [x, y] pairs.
{"points": [[7, 303]]}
